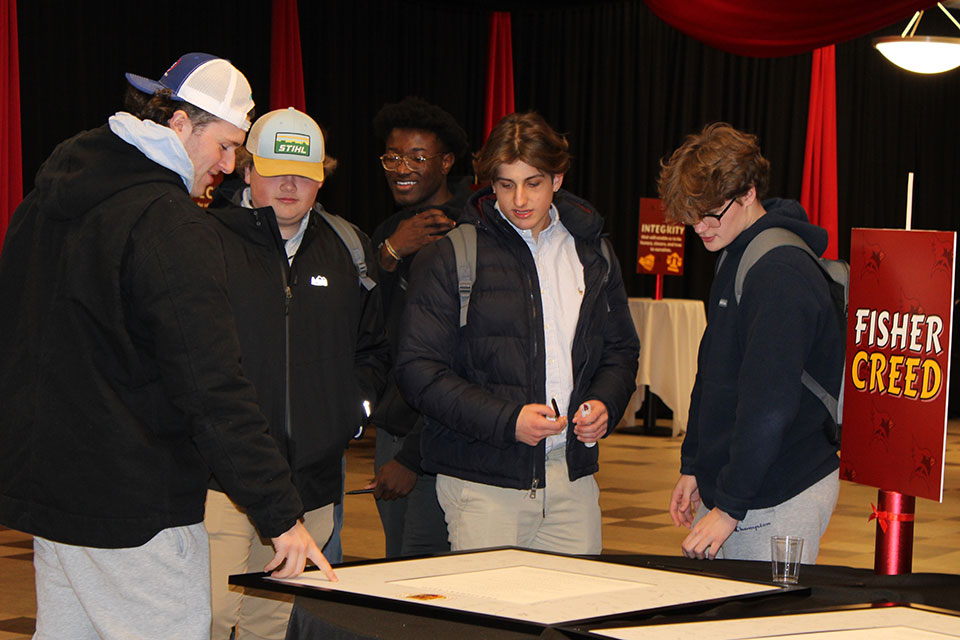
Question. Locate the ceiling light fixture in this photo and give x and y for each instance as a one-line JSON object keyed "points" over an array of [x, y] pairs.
{"points": [[921, 54]]}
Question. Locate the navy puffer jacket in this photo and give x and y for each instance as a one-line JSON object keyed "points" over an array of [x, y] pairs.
{"points": [[471, 383]]}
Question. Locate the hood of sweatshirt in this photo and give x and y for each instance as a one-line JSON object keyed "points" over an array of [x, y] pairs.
{"points": [[787, 214], [91, 167]]}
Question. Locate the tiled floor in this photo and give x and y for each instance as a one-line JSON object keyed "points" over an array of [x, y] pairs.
{"points": [[636, 476]]}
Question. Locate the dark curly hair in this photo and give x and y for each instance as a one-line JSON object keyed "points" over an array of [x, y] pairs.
{"points": [[417, 113]]}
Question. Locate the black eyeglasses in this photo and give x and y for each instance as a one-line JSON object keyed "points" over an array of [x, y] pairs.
{"points": [[713, 219], [415, 162]]}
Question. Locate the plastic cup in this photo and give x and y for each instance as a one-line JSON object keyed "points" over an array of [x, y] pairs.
{"points": [[785, 554]]}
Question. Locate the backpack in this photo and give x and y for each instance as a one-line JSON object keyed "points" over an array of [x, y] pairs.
{"points": [[464, 240], [348, 235], [837, 273]]}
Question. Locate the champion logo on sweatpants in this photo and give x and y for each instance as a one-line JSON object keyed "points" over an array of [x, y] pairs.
{"points": [[318, 281]]}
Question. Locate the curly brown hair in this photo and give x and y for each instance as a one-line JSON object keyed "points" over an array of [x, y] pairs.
{"points": [[526, 137], [718, 164]]}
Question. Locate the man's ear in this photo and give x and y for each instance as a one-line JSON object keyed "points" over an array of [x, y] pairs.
{"points": [[749, 197], [246, 173], [180, 123], [447, 162], [557, 181]]}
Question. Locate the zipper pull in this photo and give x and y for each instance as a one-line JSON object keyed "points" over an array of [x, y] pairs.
{"points": [[533, 489]]}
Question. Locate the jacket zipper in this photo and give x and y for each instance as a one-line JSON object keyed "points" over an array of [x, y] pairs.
{"points": [[288, 295], [536, 348]]}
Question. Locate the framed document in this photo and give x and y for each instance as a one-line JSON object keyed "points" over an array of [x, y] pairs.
{"points": [[859, 622], [514, 586]]}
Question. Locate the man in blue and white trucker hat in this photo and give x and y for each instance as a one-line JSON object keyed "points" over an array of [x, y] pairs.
{"points": [[120, 379]]}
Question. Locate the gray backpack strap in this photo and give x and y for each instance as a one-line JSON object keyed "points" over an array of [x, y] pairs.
{"points": [[758, 247], [464, 240], [832, 404], [348, 235]]}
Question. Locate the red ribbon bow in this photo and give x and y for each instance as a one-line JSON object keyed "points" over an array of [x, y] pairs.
{"points": [[883, 517]]}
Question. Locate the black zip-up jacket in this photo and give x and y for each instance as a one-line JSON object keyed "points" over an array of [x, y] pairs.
{"points": [[120, 378], [756, 435], [311, 336], [471, 383]]}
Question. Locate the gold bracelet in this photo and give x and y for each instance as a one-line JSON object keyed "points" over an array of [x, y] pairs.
{"points": [[393, 252]]}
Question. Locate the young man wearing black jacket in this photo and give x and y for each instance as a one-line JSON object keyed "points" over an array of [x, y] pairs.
{"points": [[312, 340], [515, 401], [422, 142], [120, 380], [756, 454]]}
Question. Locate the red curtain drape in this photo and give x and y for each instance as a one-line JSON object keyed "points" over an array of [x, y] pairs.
{"points": [[762, 28], [499, 94], [286, 63], [11, 167], [818, 193]]}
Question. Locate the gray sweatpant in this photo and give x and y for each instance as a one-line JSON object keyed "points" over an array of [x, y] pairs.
{"points": [[805, 515], [158, 590]]}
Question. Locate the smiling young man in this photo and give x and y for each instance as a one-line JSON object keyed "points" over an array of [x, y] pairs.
{"points": [[120, 379], [312, 340], [421, 144], [515, 401], [756, 455]]}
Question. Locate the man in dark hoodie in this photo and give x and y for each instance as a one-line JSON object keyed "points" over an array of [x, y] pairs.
{"points": [[120, 374], [756, 453], [421, 144]]}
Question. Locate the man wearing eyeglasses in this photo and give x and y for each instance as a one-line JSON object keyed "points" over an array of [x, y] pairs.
{"points": [[422, 142], [756, 454]]}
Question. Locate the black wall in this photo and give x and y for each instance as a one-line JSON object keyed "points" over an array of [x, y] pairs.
{"points": [[625, 87]]}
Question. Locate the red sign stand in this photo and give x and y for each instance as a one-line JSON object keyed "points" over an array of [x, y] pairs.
{"points": [[893, 550]]}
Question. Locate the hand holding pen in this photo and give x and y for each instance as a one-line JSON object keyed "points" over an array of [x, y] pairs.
{"points": [[538, 421]]}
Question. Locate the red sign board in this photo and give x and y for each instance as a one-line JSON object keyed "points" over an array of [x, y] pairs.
{"points": [[661, 243], [204, 200], [898, 360]]}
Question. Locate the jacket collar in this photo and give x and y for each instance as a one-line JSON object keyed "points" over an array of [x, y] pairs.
{"points": [[577, 215]]}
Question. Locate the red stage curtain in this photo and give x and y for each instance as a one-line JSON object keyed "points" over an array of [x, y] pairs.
{"points": [[763, 28], [286, 64], [818, 194], [499, 95], [11, 167]]}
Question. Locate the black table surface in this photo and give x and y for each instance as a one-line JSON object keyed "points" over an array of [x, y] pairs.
{"points": [[829, 587]]}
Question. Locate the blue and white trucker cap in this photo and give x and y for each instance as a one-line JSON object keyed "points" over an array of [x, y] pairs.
{"points": [[207, 82]]}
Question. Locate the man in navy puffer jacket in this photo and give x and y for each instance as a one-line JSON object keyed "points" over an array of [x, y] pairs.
{"points": [[547, 320]]}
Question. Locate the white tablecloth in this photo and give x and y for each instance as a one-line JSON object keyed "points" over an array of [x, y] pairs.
{"points": [[670, 332]]}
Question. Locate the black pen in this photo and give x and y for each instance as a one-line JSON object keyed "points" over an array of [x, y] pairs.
{"points": [[556, 409]]}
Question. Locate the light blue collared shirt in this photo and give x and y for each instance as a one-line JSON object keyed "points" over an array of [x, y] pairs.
{"points": [[561, 293]]}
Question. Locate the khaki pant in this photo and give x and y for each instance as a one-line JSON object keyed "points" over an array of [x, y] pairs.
{"points": [[563, 517], [235, 547]]}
